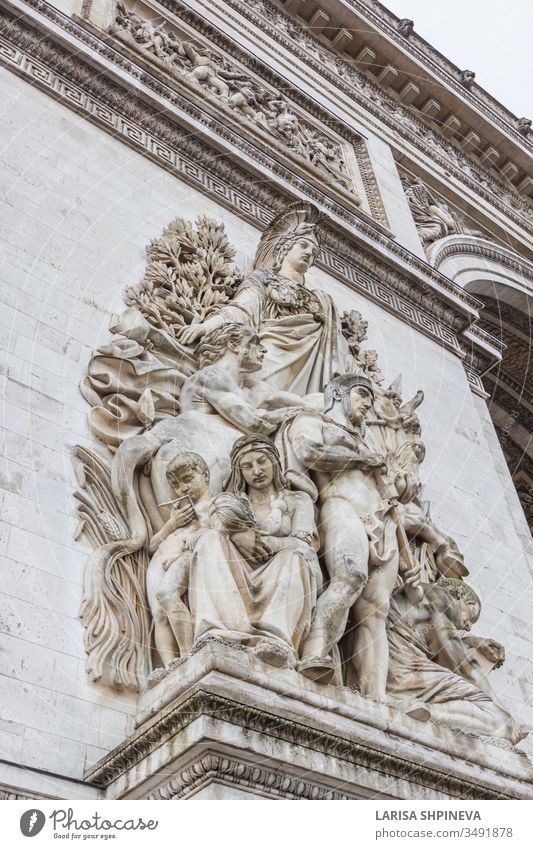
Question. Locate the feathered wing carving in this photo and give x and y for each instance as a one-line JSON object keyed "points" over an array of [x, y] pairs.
{"points": [[132, 383], [114, 609]]}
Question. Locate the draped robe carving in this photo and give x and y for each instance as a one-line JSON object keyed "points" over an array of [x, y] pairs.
{"points": [[202, 355]]}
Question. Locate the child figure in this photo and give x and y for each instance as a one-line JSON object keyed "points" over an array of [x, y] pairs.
{"points": [[167, 577]]}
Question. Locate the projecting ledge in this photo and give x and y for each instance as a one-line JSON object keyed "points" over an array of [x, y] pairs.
{"points": [[224, 725]]}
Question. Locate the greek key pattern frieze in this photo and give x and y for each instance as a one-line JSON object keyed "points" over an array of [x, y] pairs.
{"points": [[163, 142]]}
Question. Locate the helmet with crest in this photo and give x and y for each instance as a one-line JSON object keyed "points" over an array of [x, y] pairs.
{"points": [[339, 388], [297, 221]]}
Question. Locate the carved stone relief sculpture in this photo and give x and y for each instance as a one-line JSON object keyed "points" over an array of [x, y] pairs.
{"points": [[406, 27], [256, 482], [235, 89], [432, 661], [356, 529], [433, 217], [465, 166], [300, 328], [467, 78], [262, 549]]}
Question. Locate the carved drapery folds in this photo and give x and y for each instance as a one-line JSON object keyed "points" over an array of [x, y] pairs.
{"points": [[222, 81], [256, 483]]}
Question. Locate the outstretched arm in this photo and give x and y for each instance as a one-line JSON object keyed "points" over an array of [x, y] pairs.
{"points": [[241, 413], [270, 398], [188, 50], [244, 308]]}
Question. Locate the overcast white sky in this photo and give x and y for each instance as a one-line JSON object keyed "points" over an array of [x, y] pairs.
{"points": [[494, 38]]}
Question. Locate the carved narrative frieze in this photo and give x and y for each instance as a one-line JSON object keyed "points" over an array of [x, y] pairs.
{"points": [[256, 480], [221, 81], [338, 68], [433, 217]]}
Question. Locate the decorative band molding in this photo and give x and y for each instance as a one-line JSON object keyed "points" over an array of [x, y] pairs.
{"points": [[10, 793], [82, 89], [204, 703], [238, 773], [489, 252]]}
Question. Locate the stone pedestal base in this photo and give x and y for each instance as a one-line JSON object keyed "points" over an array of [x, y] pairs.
{"points": [[223, 725]]}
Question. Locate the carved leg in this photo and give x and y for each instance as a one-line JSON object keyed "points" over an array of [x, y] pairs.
{"points": [[371, 649], [219, 86], [180, 620], [169, 596], [164, 638], [346, 554], [483, 717]]}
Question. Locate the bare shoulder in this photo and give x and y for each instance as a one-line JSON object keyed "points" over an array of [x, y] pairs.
{"points": [[308, 419], [212, 377]]}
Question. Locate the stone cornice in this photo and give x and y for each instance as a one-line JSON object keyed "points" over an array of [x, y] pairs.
{"points": [[202, 702], [488, 338], [238, 773], [392, 113], [420, 295], [446, 71]]}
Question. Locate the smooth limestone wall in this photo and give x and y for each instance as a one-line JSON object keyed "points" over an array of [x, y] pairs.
{"points": [[78, 208]]}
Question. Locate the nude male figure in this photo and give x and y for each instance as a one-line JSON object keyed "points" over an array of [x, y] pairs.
{"points": [[219, 403], [358, 537], [167, 577]]}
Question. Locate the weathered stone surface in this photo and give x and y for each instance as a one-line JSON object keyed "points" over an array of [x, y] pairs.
{"points": [[223, 718], [79, 207]]}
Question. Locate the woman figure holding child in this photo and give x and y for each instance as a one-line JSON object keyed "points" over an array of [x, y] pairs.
{"points": [[254, 574]]}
